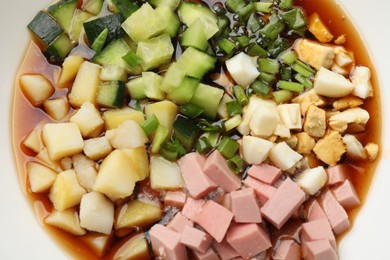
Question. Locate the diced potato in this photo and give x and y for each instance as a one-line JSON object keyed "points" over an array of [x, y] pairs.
{"points": [[62, 139], [117, 176], [33, 140], [137, 214], [140, 159], [57, 108], [69, 71], [36, 88], [96, 213], [97, 148], [43, 157], [165, 175], [317, 27], [67, 220], [97, 242], [312, 180], [113, 118], [283, 156], [255, 150], [133, 249], [330, 84], [86, 84], [129, 134], [165, 111], [41, 177], [85, 171], [290, 115], [222, 111], [66, 191], [66, 163], [88, 119], [355, 149], [243, 69]]}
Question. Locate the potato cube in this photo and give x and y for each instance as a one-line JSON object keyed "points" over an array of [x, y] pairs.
{"points": [[85, 171], [66, 191], [97, 242], [165, 175], [96, 213], [97, 148], [57, 108], [70, 68], [66, 163], [36, 88], [113, 118], [43, 157], [41, 177], [88, 119], [129, 134], [165, 111], [62, 139], [137, 214], [117, 176], [67, 220], [140, 159], [134, 248], [33, 140]]}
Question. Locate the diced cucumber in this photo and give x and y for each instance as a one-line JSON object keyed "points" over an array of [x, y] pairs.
{"points": [[195, 36], [172, 4], [196, 63], [79, 18], [152, 82], [173, 77], [38, 26], [184, 93], [112, 22], [136, 88], [127, 7], [63, 12], [144, 24], [155, 52], [113, 72], [59, 49], [111, 94], [93, 6], [190, 12], [111, 6], [100, 41], [208, 98], [186, 131], [132, 59], [172, 22]]}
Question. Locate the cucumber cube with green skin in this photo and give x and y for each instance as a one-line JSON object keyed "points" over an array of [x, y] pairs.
{"points": [[93, 6], [113, 72], [111, 94], [196, 63], [172, 22], [152, 82], [112, 22], [63, 12], [79, 18], [144, 24], [172, 4], [136, 88], [184, 93], [59, 49], [208, 98], [127, 7], [39, 27], [186, 131], [155, 52], [195, 36], [173, 77]]}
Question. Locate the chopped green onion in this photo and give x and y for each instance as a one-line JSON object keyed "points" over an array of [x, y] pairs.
{"points": [[286, 4], [289, 57], [233, 108], [234, 5], [260, 88], [292, 86], [267, 78], [240, 95], [168, 151], [99, 42], [304, 81], [228, 147], [277, 47], [202, 145], [232, 123], [132, 59], [282, 96], [243, 40], [253, 23], [273, 28], [294, 18], [207, 126], [223, 25], [268, 65], [245, 11], [264, 7], [227, 46], [212, 138], [160, 137], [150, 125], [256, 50], [285, 73], [303, 69], [190, 110], [236, 164]]}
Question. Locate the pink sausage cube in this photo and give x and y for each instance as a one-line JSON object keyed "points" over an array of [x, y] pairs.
{"points": [[287, 250], [284, 203], [217, 169], [209, 255], [227, 201], [263, 191], [178, 222], [336, 174], [244, 206], [195, 239], [265, 173], [346, 195], [320, 250], [166, 243], [315, 212], [192, 208], [225, 250], [175, 199], [215, 219], [336, 214], [196, 181], [318, 230], [248, 239]]}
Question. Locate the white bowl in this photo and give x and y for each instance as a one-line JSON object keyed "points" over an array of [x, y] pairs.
{"points": [[21, 235]]}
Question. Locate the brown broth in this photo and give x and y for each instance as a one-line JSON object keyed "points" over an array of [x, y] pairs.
{"points": [[361, 174]]}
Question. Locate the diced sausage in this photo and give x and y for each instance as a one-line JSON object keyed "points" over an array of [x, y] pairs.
{"points": [[263, 191], [265, 173], [346, 195], [287, 249], [195, 239], [244, 206], [192, 207], [178, 222], [321, 250], [175, 199], [336, 214]]}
